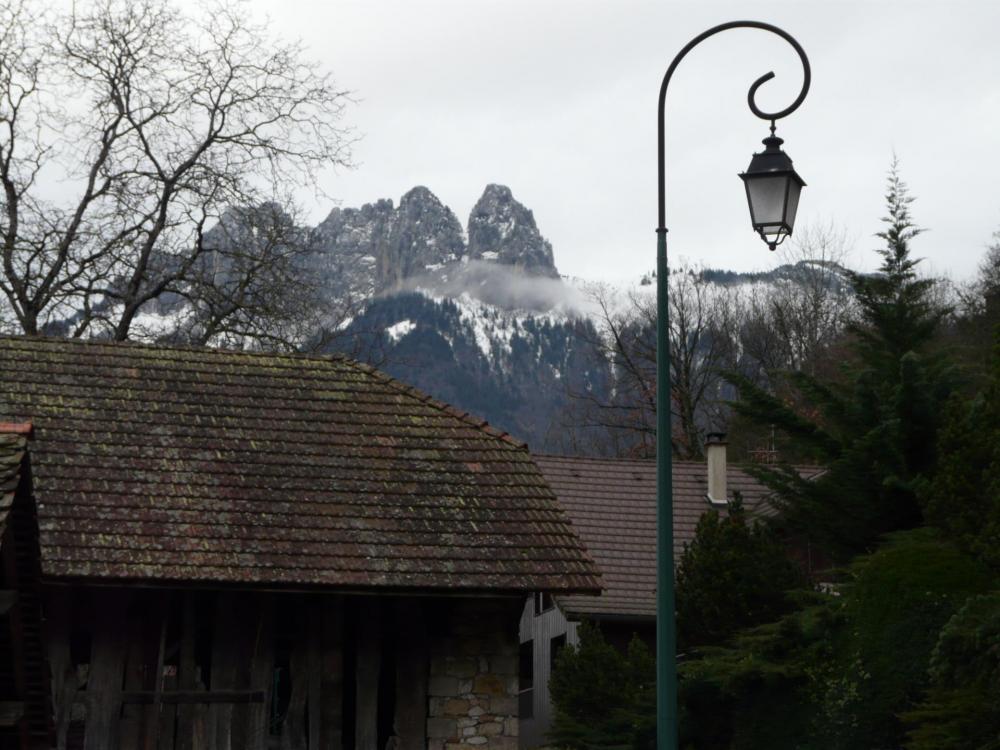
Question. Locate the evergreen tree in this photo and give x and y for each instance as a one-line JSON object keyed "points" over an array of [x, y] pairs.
{"points": [[875, 430], [733, 575], [603, 699], [961, 711]]}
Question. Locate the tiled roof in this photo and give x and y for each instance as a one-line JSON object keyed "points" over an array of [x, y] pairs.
{"points": [[152, 463], [612, 504], [12, 447]]}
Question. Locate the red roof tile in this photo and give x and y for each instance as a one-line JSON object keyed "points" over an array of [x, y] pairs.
{"points": [[153, 463], [612, 504]]}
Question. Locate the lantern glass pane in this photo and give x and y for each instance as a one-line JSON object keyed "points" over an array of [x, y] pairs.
{"points": [[767, 198], [794, 189]]}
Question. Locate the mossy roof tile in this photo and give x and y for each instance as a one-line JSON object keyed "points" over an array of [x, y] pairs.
{"points": [[199, 465]]}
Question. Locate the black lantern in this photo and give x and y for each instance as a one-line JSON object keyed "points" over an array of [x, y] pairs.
{"points": [[772, 191]]}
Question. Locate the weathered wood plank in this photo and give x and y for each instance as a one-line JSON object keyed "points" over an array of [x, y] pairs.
{"points": [[331, 709], [368, 650], [225, 657], [412, 668], [11, 713], [258, 722], [293, 732], [187, 676], [154, 677], [134, 632], [64, 679], [192, 697], [314, 675], [168, 711], [107, 664]]}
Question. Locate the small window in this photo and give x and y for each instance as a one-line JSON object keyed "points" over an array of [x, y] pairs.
{"points": [[526, 680], [543, 602], [555, 646]]}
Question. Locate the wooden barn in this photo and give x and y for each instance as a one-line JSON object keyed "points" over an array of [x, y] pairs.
{"points": [[208, 549]]}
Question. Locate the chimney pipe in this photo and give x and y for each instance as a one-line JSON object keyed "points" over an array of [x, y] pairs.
{"points": [[715, 456]]}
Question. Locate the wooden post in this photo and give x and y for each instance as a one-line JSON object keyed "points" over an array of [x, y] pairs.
{"points": [[187, 677], [293, 733], [314, 675], [261, 676], [412, 668], [64, 681], [107, 662], [332, 680], [228, 625], [369, 632]]}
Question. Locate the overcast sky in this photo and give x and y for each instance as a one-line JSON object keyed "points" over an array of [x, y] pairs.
{"points": [[557, 99]]}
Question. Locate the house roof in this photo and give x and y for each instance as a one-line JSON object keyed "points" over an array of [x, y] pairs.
{"points": [[186, 464], [612, 504], [13, 443]]}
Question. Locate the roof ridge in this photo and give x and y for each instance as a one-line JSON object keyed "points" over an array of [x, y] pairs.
{"points": [[387, 379], [16, 428], [213, 350]]}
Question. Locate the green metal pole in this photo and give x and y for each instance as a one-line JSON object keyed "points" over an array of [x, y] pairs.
{"points": [[666, 631]]}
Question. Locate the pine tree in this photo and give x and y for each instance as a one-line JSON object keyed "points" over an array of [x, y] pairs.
{"points": [[735, 574], [875, 430]]}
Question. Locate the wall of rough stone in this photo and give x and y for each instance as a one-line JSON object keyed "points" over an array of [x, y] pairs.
{"points": [[473, 680]]}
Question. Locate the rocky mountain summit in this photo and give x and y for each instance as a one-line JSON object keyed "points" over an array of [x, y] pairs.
{"points": [[503, 230], [376, 249]]}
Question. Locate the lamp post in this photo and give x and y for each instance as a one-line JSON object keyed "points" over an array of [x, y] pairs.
{"points": [[772, 188]]}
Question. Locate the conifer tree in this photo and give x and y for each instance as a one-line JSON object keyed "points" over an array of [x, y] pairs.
{"points": [[735, 574], [875, 429]]}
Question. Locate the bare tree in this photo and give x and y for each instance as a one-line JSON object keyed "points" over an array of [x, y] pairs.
{"points": [[701, 321], [127, 128], [790, 322]]}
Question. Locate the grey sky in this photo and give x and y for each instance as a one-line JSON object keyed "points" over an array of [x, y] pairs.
{"points": [[556, 98]]}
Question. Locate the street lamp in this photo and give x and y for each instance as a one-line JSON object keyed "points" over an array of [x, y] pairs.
{"points": [[773, 195], [773, 188]]}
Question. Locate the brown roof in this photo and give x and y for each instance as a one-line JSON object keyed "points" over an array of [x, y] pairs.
{"points": [[612, 504], [13, 443], [154, 463]]}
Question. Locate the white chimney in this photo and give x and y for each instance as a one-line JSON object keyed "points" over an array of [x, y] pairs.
{"points": [[715, 456]]}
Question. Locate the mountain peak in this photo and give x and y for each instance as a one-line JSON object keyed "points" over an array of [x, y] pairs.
{"points": [[502, 229]]}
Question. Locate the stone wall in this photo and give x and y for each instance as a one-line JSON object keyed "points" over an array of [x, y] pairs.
{"points": [[474, 677]]}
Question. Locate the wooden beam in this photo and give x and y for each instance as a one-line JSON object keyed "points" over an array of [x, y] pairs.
{"points": [[64, 679], [188, 736], [225, 657], [293, 732], [332, 685], [107, 664], [11, 713], [369, 636], [257, 735], [177, 697], [412, 668]]}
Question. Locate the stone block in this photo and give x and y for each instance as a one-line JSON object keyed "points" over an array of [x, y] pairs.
{"points": [[490, 684], [504, 665], [442, 686], [461, 668], [504, 706], [503, 743], [442, 728], [455, 707], [491, 729]]}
